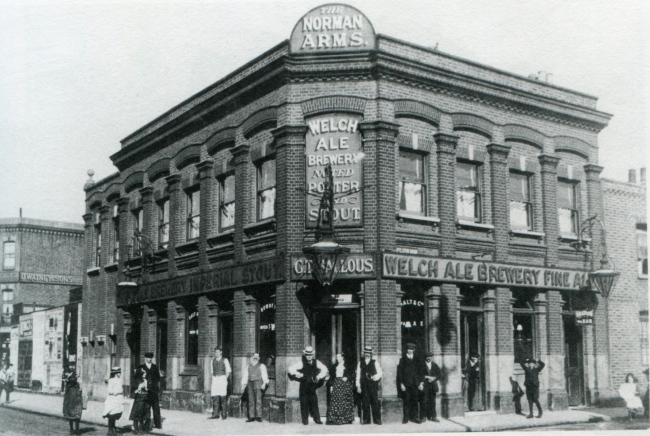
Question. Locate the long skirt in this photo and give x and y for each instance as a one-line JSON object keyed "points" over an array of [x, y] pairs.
{"points": [[141, 408], [341, 407], [72, 402]]}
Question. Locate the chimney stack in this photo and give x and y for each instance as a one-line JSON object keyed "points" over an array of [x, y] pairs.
{"points": [[642, 175], [631, 178]]}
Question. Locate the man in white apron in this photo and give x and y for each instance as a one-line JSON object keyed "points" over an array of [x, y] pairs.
{"points": [[219, 390]]}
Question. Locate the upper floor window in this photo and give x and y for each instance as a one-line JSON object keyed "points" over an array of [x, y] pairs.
{"points": [[521, 206], [9, 260], [567, 204], [468, 192], [412, 183], [266, 189], [138, 225], [642, 249], [227, 202], [163, 224], [193, 204], [116, 238], [98, 240]]}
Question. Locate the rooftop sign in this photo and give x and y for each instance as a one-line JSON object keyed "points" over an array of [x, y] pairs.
{"points": [[332, 28]]}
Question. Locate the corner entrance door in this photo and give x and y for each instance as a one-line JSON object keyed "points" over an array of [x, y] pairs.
{"points": [[573, 368], [335, 331], [161, 351], [24, 379], [471, 341]]}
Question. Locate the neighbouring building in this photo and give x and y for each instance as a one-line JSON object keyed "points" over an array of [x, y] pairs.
{"points": [[460, 190], [41, 262], [626, 223]]}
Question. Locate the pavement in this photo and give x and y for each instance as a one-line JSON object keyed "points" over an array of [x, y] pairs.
{"points": [[187, 423]]}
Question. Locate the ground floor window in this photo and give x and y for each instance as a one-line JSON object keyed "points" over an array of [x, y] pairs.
{"points": [[413, 320], [267, 336], [523, 325], [192, 357]]}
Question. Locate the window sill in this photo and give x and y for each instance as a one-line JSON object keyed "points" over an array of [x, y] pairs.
{"points": [[92, 272], [187, 247], [475, 226], [221, 239], [190, 371], [567, 237], [527, 234], [111, 267], [420, 219], [266, 225]]}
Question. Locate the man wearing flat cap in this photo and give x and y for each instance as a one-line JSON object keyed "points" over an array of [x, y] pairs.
{"points": [[410, 381], [310, 373], [368, 376], [532, 368], [472, 374], [431, 377], [153, 374], [254, 379]]}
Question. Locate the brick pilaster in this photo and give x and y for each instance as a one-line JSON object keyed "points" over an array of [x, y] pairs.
{"points": [[209, 209], [176, 219], [446, 153], [176, 315], [208, 339], [148, 214], [245, 312], [89, 234], [557, 394], [451, 398], [242, 162], [499, 195], [548, 171], [123, 211]]}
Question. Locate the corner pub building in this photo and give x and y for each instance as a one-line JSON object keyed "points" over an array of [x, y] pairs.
{"points": [[459, 190]]}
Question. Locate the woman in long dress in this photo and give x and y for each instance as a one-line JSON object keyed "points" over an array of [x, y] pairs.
{"points": [[341, 384], [630, 393], [72, 402], [140, 411], [113, 406]]}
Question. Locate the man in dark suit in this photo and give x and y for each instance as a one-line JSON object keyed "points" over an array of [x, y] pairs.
{"points": [[532, 368], [472, 374], [431, 377], [153, 374], [410, 380]]}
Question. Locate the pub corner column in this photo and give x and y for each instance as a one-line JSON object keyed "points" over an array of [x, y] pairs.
{"points": [[548, 163], [452, 401], [549, 311], [446, 144]]}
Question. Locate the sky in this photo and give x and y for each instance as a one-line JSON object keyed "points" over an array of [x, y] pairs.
{"points": [[76, 77]]}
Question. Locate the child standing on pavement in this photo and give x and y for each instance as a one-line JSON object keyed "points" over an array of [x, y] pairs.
{"points": [[532, 368], [140, 410], [113, 406], [72, 402]]}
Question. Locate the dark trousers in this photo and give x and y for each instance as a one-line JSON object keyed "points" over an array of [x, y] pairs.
{"points": [[254, 399], [370, 402], [154, 403], [532, 395], [410, 403], [517, 400], [219, 404], [308, 402], [428, 403], [472, 387], [7, 388]]}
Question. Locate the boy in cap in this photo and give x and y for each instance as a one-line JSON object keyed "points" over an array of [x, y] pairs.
{"points": [[368, 376], [532, 368], [309, 372], [153, 374], [410, 380], [255, 379], [431, 377]]}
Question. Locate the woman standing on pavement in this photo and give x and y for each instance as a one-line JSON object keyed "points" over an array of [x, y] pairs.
{"points": [[72, 402], [140, 411], [341, 406], [113, 406], [629, 392]]}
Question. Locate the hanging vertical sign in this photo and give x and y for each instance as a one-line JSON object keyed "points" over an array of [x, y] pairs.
{"points": [[332, 28], [335, 139]]}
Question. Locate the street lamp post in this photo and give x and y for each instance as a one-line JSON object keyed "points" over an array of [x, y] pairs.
{"points": [[326, 254]]}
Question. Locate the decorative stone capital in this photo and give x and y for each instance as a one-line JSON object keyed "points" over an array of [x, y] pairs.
{"points": [[104, 212], [146, 194], [592, 171], [379, 130], [88, 219], [205, 168], [241, 153], [289, 135], [173, 182], [122, 205], [548, 162], [446, 142], [498, 152]]}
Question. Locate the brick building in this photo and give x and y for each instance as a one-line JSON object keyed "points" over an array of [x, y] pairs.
{"points": [[460, 191], [41, 262], [625, 219]]}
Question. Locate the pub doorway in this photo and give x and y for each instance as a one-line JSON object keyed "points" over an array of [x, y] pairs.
{"points": [[573, 361], [472, 343], [161, 350]]}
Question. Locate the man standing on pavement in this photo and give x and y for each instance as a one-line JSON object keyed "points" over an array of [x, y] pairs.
{"points": [[368, 377], [472, 374], [410, 380], [532, 368], [310, 373], [153, 374], [431, 377], [255, 379], [219, 389]]}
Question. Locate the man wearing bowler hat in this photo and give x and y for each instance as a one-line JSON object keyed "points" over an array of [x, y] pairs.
{"points": [[410, 381], [310, 373], [153, 374], [431, 377], [368, 377]]}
